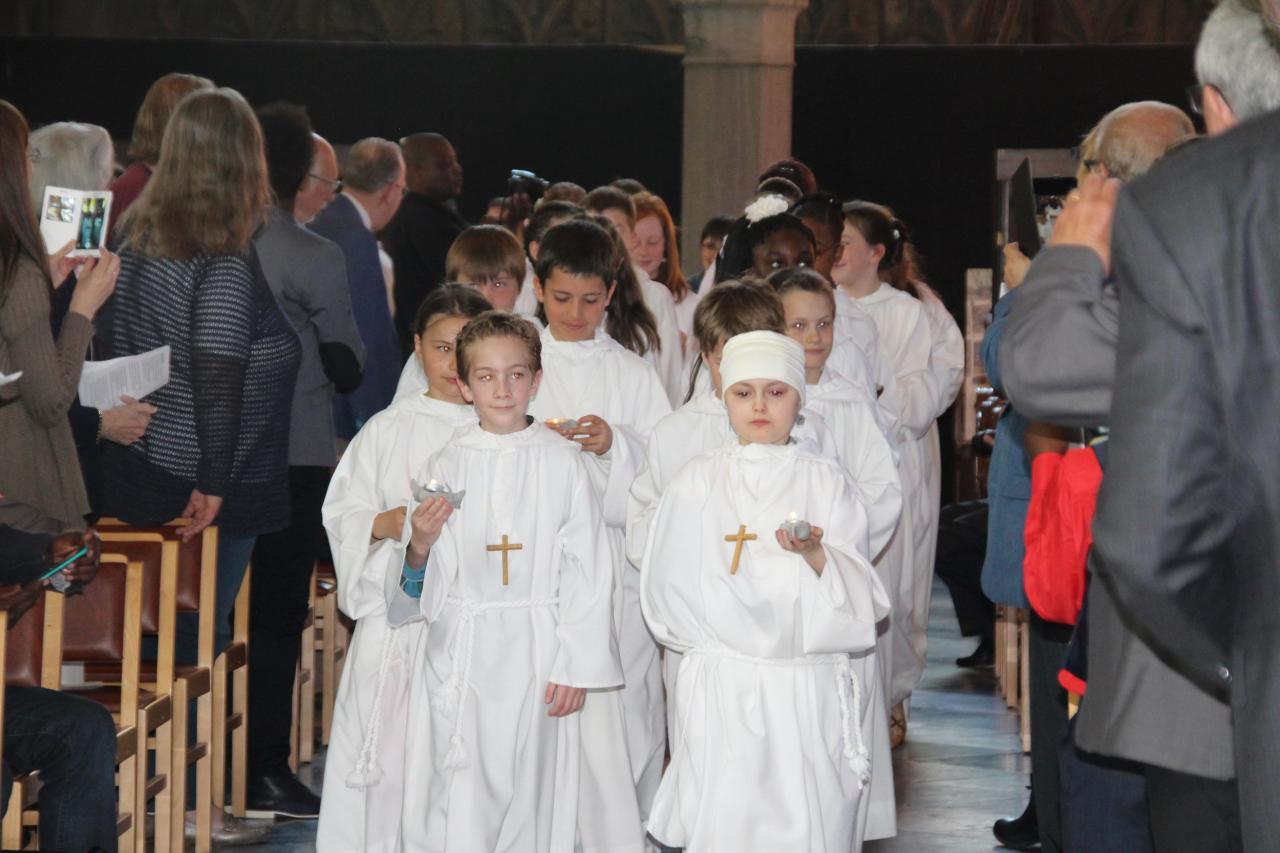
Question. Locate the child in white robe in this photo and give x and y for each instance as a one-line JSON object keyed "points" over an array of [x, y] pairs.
{"points": [[702, 424], [608, 399], [364, 513], [874, 246], [850, 413], [781, 722], [516, 586]]}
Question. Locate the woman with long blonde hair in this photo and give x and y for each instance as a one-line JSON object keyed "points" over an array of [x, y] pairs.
{"points": [[217, 448]]}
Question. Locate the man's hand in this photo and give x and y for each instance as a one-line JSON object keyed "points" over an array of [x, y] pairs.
{"points": [[1086, 219], [564, 700], [1016, 265], [85, 569], [202, 509]]}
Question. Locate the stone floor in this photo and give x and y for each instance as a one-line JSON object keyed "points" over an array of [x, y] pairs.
{"points": [[960, 768]]}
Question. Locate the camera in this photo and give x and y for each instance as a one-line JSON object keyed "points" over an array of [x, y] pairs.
{"points": [[524, 182]]}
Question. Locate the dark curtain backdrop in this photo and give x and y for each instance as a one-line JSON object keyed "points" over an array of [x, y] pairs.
{"points": [[588, 114]]}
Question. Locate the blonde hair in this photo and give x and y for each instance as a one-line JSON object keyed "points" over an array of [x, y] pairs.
{"points": [[496, 324], [209, 191], [158, 105]]}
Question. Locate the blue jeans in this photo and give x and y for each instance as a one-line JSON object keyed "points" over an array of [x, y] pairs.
{"points": [[233, 556], [72, 742]]}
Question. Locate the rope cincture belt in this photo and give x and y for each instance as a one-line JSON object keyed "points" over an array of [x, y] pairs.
{"points": [[846, 682], [451, 698]]}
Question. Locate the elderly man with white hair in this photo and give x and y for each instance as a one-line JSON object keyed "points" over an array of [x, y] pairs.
{"points": [[81, 157]]}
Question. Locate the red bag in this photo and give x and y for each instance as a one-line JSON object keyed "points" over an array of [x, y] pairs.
{"points": [[1058, 532]]}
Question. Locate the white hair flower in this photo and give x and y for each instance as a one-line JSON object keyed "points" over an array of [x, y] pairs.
{"points": [[766, 206]]}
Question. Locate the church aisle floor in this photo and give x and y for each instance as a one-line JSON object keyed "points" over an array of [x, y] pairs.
{"points": [[962, 766], [960, 769]]}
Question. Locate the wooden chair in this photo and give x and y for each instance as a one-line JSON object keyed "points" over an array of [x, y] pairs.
{"points": [[194, 592], [231, 709], [333, 638], [102, 624], [302, 741], [160, 566]]}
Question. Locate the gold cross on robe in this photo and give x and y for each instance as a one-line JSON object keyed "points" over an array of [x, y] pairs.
{"points": [[740, 537], [504, 548]]}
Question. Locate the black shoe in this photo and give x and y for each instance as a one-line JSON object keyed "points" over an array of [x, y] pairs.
{"points": [[1021, 833], [983, 655], [280, 794]]}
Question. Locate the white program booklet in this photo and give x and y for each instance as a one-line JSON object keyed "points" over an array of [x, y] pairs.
{"points": [[67, 215], [103, 383]]}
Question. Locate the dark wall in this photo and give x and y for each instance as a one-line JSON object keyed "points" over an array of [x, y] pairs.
{"points": [[587, 114], [916, 128]]}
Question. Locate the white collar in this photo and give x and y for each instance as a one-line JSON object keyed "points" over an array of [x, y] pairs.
{"points": [[364, 214]]}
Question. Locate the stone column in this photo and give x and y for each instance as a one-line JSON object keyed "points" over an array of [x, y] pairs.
{"points": [[738, 64]]}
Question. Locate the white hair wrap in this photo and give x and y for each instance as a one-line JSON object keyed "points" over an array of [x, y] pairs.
{"points": [[762, 355]]}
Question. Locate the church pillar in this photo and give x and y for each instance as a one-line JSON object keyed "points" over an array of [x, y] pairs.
{"points": [[738, 63]]}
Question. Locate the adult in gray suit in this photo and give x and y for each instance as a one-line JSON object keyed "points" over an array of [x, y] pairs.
{"points": [[1124, 144], [307, 276], [1060, 351]]}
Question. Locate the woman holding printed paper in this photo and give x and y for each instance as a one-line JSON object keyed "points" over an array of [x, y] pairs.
{"points": [[81, 157], [42, 486]]}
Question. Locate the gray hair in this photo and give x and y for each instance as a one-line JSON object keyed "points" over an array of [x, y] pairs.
{"points": [[372, 163], [71, 155], [1131, 138], [1239, 55]]}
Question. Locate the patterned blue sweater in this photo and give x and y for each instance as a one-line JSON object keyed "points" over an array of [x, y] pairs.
{"points": [[223, 420]]}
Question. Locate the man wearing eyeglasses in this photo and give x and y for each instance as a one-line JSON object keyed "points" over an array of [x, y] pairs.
{"points": [[428, 222], [321, 184]]}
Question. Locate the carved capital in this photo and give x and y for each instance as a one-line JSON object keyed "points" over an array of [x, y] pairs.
{"points": [[740, 32]]}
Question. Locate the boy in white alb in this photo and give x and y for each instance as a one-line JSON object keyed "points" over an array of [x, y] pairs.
{"points": [[364, 513], [757, 570], [516, 586], [607, 399]]}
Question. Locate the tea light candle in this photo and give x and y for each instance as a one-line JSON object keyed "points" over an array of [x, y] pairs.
{"points": [[796, 527], [562, 423], [435, 488]]}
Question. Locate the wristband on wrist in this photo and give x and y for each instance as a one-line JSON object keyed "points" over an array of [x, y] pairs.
{"points": [[411, 580]]}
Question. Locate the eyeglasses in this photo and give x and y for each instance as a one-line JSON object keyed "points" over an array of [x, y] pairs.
{"points": [[334, 184], [1195, 97], [404, 190]]}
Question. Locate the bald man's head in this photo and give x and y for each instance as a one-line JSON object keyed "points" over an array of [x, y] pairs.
{"points": [[431, 166], [321, 185], [1130, 139]]}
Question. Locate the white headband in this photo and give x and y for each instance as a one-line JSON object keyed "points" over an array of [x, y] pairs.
{"points": [[762, 355]]}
